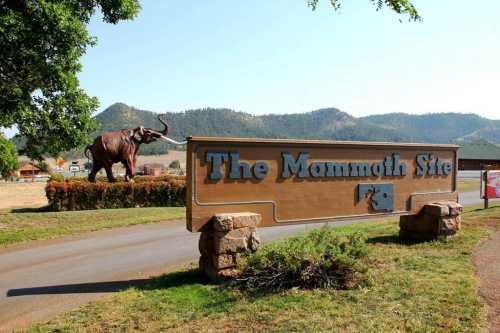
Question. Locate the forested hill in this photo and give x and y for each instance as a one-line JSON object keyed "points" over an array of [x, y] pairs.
{"points": [[321, 124], [328, 123], [439, 127]]}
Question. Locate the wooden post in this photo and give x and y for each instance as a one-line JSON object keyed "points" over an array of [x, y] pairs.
{"points": [[485, 194]]}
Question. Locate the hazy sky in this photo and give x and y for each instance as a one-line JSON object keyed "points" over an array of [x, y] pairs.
{"points": [[278, 56]]}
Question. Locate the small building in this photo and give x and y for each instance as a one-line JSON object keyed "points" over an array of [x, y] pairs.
{"points": [[152, 169], [477, 155], [28, 169]]}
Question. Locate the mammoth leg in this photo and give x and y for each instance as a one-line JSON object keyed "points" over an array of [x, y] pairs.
{"points": [[130, 168], [96, 166], [109, 172]]}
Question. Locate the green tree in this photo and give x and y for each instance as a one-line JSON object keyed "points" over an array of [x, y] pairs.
{"points": [[399, 6], [41, 43], [44, 166], [8, 157], [175, 164]]}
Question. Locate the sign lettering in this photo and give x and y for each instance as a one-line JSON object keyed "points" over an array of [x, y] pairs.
{"points": [[302, 167], [292, 181]]}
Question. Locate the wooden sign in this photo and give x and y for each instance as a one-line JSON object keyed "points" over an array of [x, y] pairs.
{"points": [[292, 181]]}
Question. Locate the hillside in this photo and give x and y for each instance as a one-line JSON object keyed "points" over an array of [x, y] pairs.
{"points": [[327, 123], [440, 127]]}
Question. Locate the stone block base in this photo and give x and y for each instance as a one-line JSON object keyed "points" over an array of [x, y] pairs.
{"points": [[222, 244], [436, 220]]}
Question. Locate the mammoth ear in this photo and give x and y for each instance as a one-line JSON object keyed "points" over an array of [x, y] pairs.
{"points": [[138, 133]]}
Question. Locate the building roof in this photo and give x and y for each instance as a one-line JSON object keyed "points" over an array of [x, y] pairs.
{"points": [[29, 166], [479, 150]]}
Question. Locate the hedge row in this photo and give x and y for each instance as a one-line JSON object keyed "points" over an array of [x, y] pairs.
{"points": [[80, 194]]}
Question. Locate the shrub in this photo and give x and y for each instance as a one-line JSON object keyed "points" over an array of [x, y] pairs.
{"points": [[175, 164], [80, 194], [322, 258], [56, 177]]}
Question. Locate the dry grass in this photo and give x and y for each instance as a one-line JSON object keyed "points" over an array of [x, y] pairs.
{"points": [[22, 195]]}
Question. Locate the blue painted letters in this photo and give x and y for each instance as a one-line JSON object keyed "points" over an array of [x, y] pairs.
{"points": [[228, 164]]}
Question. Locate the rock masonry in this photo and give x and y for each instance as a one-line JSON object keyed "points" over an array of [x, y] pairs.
{"points": [[225, 240], [435, 220]]}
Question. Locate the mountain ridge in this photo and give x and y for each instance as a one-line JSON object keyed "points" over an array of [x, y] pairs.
{"points": [[326, 123]]}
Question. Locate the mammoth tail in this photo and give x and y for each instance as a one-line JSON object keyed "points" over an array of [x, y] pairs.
{"points": [[88, 149]]}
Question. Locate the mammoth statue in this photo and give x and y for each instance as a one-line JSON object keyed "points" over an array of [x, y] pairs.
{"points": [[122, 146]]}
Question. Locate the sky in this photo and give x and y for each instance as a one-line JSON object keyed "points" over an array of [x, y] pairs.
{"points": [[279, 56]]}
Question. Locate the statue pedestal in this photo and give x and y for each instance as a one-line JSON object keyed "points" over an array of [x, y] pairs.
{"points": [[436, 220], [227, 237]]}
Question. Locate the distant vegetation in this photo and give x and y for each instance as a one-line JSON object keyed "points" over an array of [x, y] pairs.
{"points": [[328, 124], [8, 157]]}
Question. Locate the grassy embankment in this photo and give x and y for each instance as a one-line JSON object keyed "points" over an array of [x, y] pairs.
{"points": [[415, 287], [21, 226], [22, 218]]}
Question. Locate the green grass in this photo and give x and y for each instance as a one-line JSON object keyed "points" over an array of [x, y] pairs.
{"points": [[16, 227], [415, 287]]}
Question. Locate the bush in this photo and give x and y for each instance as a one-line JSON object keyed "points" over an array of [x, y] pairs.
{"points": [[175, 164], [322, 258], [56, 177], [80, 194]]}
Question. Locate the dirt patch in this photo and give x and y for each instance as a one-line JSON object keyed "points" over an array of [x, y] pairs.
{"points": [[22, 195], [487, 262]]}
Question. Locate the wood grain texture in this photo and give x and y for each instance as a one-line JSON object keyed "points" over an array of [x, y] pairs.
{"points": [[293, 200]]}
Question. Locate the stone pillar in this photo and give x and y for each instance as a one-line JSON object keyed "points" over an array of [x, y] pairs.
{"points": [[436, 220], [226, 238]]}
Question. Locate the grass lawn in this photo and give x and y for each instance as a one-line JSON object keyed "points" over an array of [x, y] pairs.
{"points": [[18, 227], [415, 287], [467, 185]]}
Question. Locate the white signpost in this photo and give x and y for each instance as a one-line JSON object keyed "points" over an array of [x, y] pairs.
{"points": [[74, 169]]}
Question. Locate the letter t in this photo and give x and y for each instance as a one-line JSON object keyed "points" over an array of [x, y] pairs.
{"points": [[215, 159]]}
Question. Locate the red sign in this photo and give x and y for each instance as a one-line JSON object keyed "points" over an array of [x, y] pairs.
{"points": [[492, 184]]}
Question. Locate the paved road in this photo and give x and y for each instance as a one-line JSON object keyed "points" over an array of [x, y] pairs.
{"points": [[45, 278], [470, 174]]}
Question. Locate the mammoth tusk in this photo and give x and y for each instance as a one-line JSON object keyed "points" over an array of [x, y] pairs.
{"points": [[173, 141]]}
